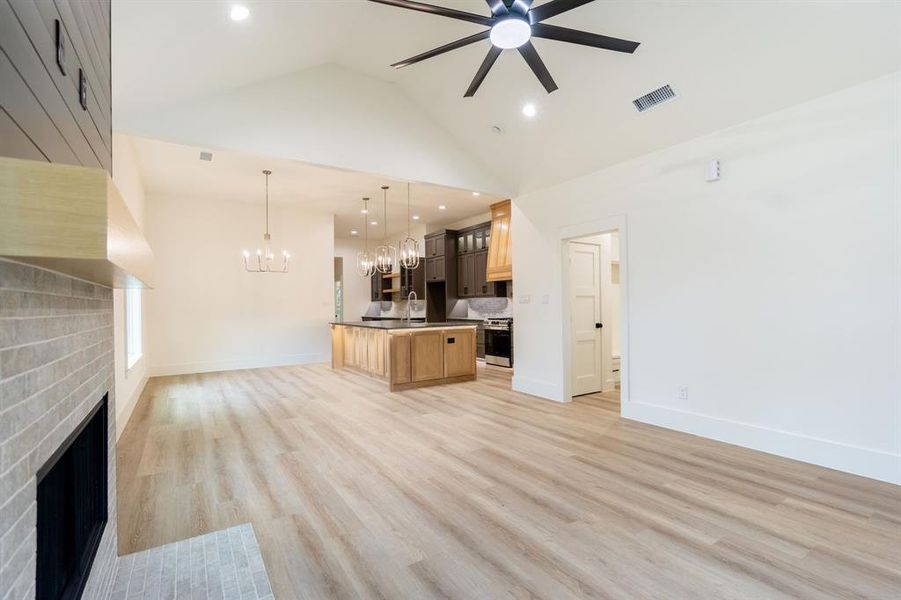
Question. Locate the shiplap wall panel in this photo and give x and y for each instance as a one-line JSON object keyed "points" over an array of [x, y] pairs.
{"points": [[93, 122], [14, 141], [41, 102], [32, 74], [100, 92], [18, 101]]}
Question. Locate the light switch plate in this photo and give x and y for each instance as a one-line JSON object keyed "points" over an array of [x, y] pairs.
{"points": [[82, 90], [60, 47], [525, 299]]}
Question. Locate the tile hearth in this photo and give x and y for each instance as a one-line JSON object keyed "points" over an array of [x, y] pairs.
{"points": [[222, 565]]}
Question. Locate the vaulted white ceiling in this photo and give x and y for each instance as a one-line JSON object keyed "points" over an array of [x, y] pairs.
{"points": [[728, 62]]}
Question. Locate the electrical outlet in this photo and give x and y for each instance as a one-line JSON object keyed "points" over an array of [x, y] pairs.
{"points": [[683, 393]]}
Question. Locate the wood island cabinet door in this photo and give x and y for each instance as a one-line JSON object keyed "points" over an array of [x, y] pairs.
{"points": [[400, 358], [459, 352], [427, 355], [349, 349]]}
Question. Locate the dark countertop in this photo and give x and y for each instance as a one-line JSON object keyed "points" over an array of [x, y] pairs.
{"points": [[398, 324]]}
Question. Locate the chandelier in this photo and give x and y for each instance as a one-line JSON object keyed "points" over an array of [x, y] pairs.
{"points": [[409, 248], [365, 259], [386, 254], [263, 261]]}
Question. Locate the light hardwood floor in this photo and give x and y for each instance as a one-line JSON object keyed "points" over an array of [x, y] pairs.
{"points": [[474, 491]]}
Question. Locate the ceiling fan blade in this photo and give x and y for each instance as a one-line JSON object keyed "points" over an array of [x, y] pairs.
{"points": [[439, 10], [483, 71], [521, 6], [531, 55], [562, 34], [553, 8], [498, 8], [482, 35]]}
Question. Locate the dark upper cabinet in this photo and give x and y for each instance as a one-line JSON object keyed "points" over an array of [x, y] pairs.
{"points": [[472, 272], [413, 280], [473, 239], [375, 287], [471, 246], [435, 269], [434, 245], [464, 275], [55, 82], [439, 248], [483, 287]]}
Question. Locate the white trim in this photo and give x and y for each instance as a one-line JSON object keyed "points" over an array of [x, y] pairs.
{"points": [[614, 223], [239, 363], [128, 408], [542, 389], [866, 462]]}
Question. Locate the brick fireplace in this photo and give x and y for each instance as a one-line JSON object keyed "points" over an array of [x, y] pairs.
{"points": [[56, 366]]}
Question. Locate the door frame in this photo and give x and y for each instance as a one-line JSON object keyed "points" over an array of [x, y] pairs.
{"points": [[571, 233]]}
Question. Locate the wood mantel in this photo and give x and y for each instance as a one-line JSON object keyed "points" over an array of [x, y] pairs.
{"points": [[73, 220]]}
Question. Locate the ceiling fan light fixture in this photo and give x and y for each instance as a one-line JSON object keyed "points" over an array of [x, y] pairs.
{"points": [[510, 33]]}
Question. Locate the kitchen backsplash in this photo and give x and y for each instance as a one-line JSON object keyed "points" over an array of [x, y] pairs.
{"points": [[481, 308], [396, 309], [473, 308]]}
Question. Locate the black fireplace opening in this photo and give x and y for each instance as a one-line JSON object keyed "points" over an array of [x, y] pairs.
{"points": [[72, 508]]}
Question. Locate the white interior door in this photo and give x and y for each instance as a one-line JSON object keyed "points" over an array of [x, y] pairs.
{"points": [[585, 311]]}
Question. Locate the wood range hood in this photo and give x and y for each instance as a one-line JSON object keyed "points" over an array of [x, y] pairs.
{"points": [[72, 220], [500, 245]]}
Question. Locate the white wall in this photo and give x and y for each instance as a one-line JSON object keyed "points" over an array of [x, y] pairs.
{"points": [[773, 294], [325, 115], [129, 382], [356, 289], [208, 314]]}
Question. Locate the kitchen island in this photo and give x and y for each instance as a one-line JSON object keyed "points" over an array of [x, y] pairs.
{"points": [[406, 354]]}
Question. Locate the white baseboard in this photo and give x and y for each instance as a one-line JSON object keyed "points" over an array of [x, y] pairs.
{"points": [[123, 416], [535, 387], [866, 462], [241, 363]]}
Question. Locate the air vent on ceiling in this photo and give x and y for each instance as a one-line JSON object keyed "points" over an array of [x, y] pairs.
{"points": [[654, 98], [207, 156]]}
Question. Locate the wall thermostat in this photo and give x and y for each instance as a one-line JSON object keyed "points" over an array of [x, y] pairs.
{"points": [[713, 171]]}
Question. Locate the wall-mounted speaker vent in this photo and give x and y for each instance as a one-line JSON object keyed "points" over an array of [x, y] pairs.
{"points": [[651, 99], [207, 156]]}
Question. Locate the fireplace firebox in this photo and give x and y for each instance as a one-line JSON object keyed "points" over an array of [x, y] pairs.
{"points": [[72, 508]]}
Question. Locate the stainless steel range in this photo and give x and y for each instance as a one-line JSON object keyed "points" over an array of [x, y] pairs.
{"points": [[499, 342]]}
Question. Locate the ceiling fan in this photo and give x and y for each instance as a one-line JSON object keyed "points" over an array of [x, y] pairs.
{"points": [[512, 23]]}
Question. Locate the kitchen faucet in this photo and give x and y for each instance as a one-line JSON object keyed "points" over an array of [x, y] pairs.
{"points": [[409, 309]]}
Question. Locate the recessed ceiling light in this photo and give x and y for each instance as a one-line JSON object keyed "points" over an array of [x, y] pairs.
{"points": [[529, 110], [364, 211], [415, 217], [442, 207], [476, 194], [353, 232], [239, 12], [373, 222]]}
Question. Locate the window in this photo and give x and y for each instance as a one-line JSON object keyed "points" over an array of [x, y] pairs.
{"points": [[133, 329]]}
